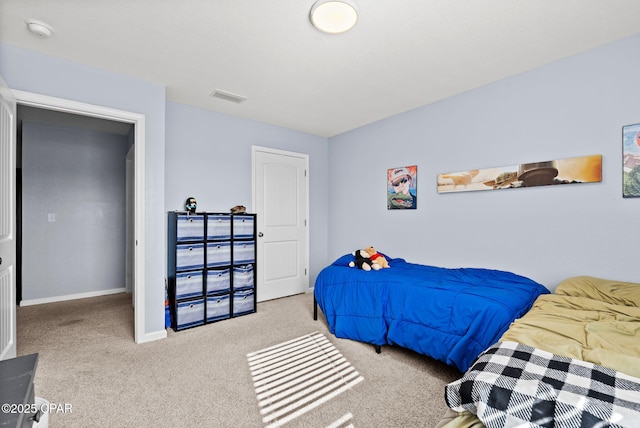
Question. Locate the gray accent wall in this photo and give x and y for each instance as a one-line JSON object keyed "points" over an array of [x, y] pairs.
{"points": [[73, 222], [573, 107]]}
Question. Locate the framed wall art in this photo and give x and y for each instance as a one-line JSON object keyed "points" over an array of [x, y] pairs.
{"points": [[402, 188], [631, 161], [584, 169]]}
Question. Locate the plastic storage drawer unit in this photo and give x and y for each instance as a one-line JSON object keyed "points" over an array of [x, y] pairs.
{"points": [[189, 256], [218, 254], [218, 307], [242, 226], [244, 252], [189, 313], [218, 280], [243, 302], [211, 267], [189, 227], [243, 276], [218, 226], [188, 284]]}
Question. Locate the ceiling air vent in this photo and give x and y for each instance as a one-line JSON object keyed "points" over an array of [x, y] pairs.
{"points": [[228, 96]]}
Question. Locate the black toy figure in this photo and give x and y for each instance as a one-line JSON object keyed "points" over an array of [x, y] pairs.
{"points": [[362, 261], [190, 205]]}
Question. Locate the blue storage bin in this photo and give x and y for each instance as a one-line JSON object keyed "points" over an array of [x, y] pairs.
{"points": [[189, 256], [243, 302], [243, 226], [218, 307], [190, 313], [190, 227], [218, 254], [218, 280], [243, 252], [188, 284], [243, 276], [218, 226]]}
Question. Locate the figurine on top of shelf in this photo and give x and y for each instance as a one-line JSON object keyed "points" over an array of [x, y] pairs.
{"points": [[238, 209], [190, 205]]}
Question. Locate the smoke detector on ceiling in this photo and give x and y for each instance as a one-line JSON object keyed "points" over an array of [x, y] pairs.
{"points": [[39, 28]]}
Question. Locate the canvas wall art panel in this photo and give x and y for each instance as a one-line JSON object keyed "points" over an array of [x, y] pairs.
{"points": [[631, 161], [402, 193], [584, 169]]}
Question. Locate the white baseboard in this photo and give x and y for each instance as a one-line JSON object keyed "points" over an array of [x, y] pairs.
{"points": [[156, 335], [72, 296]]}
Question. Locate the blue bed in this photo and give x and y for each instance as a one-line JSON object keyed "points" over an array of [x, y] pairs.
{"points": [[451, 315]]}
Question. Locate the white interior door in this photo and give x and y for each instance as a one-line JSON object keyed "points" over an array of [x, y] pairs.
{"points": [[7, 223], [280, 199]]}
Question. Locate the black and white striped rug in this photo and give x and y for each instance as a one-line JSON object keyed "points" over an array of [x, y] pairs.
{"points": [[298, 375]]}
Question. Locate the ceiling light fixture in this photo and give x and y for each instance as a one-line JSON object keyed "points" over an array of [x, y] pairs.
{"points": [[333, 16], [39, 28]]}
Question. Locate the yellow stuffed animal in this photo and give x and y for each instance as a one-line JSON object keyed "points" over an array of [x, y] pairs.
{"points": [[377, 258]]}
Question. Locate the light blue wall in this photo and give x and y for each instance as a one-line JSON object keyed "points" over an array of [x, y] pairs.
{"points": [[31, 72], [77, 176], [570, 108], [199, 144], [208, 156]]}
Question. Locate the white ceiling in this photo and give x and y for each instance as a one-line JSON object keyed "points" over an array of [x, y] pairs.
{"points": [[400, 55]]}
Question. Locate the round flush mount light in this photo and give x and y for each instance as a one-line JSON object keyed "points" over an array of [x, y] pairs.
{"points": [[39, 28], [333, 16]]}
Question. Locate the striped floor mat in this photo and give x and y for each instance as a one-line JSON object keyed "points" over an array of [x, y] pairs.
{"points": [[298, 375]]}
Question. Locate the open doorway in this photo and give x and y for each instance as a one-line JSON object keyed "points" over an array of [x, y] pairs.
{"points": [[72, 196], [135, 124]]}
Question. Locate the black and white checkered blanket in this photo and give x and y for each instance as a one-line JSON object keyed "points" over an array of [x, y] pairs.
{"points": [[514, 385]]}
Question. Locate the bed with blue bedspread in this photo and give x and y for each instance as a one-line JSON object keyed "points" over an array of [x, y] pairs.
{"points": [[451, 315]]}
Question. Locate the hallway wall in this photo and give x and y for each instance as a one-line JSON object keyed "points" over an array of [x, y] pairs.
{"points": [[73, 208]]}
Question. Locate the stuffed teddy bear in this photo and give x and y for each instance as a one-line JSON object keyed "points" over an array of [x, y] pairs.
{"points": [[377, 259], [362, 261]]}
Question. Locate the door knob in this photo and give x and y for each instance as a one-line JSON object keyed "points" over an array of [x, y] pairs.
{"points": [[260, 234]]}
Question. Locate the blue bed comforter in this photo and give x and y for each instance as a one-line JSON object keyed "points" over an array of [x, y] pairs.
{"points": [[451, 315]]}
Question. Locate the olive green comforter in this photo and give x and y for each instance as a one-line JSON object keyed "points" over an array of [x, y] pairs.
{"points": [[590, 319]]}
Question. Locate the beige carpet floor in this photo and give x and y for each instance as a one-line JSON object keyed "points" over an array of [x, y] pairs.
{"points": [[200, 377]]}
